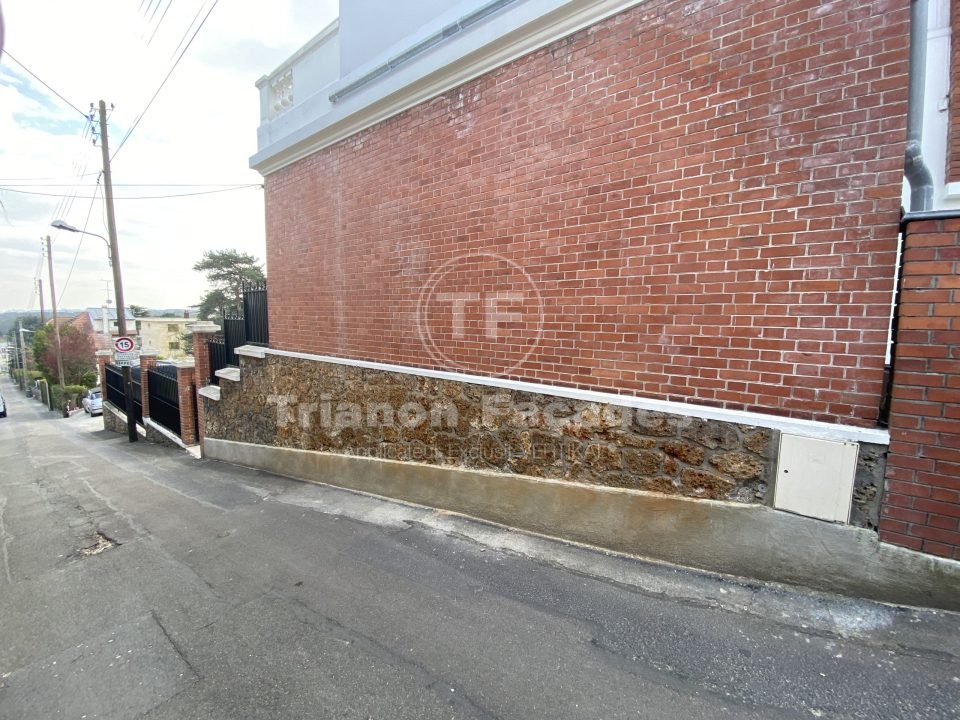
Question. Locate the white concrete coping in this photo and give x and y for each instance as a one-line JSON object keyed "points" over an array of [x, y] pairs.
{"points": [[182, 362], [254, 351], [211, 392], [804, 428], [204, 326], [171, 436], [229, 373]]}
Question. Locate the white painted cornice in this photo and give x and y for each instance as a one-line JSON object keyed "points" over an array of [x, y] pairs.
{"points": [[501, 39]]}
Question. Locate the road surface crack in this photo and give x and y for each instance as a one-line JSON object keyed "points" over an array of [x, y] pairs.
{"points": [[5, 538], [446, 690], [175, 645]]}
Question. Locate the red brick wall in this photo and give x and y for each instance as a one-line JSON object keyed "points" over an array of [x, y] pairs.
{"points": [[706, 198], [148, 361], [921, 506], [201, 366], [186, 394]]}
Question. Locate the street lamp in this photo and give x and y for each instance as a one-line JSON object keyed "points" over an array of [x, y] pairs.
{"points": [[112, 253], [61, 225]]}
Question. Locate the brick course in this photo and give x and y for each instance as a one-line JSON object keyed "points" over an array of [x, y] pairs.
{"points": [[921, 506], [148, 362], [705, 198], [202, 334], [186, 393]]}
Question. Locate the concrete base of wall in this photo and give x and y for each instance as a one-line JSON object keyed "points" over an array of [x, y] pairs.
{"points": [[157, 433], [115, 420], [746, 540]]}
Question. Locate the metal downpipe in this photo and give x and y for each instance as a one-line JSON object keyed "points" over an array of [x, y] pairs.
{"points": [[918, 175], [915, 168]]}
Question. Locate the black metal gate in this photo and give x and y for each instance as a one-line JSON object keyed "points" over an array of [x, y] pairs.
{"points": [[136, 390], [249, 327], [218, 359], [115, 390], [255, 314], [234, 335], [116, 394], [164, 400]]}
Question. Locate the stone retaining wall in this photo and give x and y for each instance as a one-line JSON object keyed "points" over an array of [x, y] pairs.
{"points": [[313, 405], [114, 419]]}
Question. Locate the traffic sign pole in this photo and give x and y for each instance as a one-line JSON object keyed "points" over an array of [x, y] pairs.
{"points": [[125, 356]]}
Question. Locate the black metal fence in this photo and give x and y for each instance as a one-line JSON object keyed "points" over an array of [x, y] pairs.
{"points": [[115, 391], [116, 394], [250, 327], [218, 358], [166, 369], [164, 399], [234, 335], [136, 390], [255, 323]]}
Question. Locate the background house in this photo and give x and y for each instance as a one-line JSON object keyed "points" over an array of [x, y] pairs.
{"points": [[101, 325], [687, 210], [163, 335]]}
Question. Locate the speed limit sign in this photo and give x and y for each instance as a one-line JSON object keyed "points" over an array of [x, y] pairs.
{"points": [[123, 344]]}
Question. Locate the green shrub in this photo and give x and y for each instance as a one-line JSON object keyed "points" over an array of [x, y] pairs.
{"points": [[70, 393]]}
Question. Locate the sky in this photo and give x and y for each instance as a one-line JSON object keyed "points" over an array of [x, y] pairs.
{"points": [[195, 137]]}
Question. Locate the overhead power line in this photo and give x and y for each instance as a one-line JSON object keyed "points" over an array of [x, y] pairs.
{"points": [[63, 290], [35, 77], [159, 22], [163, 82], [38, 179]]}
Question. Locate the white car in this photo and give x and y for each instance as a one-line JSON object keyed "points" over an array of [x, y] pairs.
{"points": [[93, 402]]}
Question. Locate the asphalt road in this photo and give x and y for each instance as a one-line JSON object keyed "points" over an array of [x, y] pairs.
{"points": [[139, 582]]}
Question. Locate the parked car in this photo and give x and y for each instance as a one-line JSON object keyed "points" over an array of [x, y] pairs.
{"points": [[3, 408], [93, 402]]}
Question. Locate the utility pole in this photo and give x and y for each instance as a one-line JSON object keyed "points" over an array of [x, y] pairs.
{"points": [[53, 307], [18, 342], [23, 359], [43, 320], [115, 258]]}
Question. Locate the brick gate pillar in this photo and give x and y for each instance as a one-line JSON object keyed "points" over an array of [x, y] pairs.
{"points": [[187, 394], [148, 361], [203, 332], [103, 359]]}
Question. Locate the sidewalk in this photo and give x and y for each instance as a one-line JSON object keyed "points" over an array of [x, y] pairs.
{"points": [[140, 582]]}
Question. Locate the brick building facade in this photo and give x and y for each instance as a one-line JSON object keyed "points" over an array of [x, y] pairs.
{"points": [[687, 211], [922, 502], [706, 201]]}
